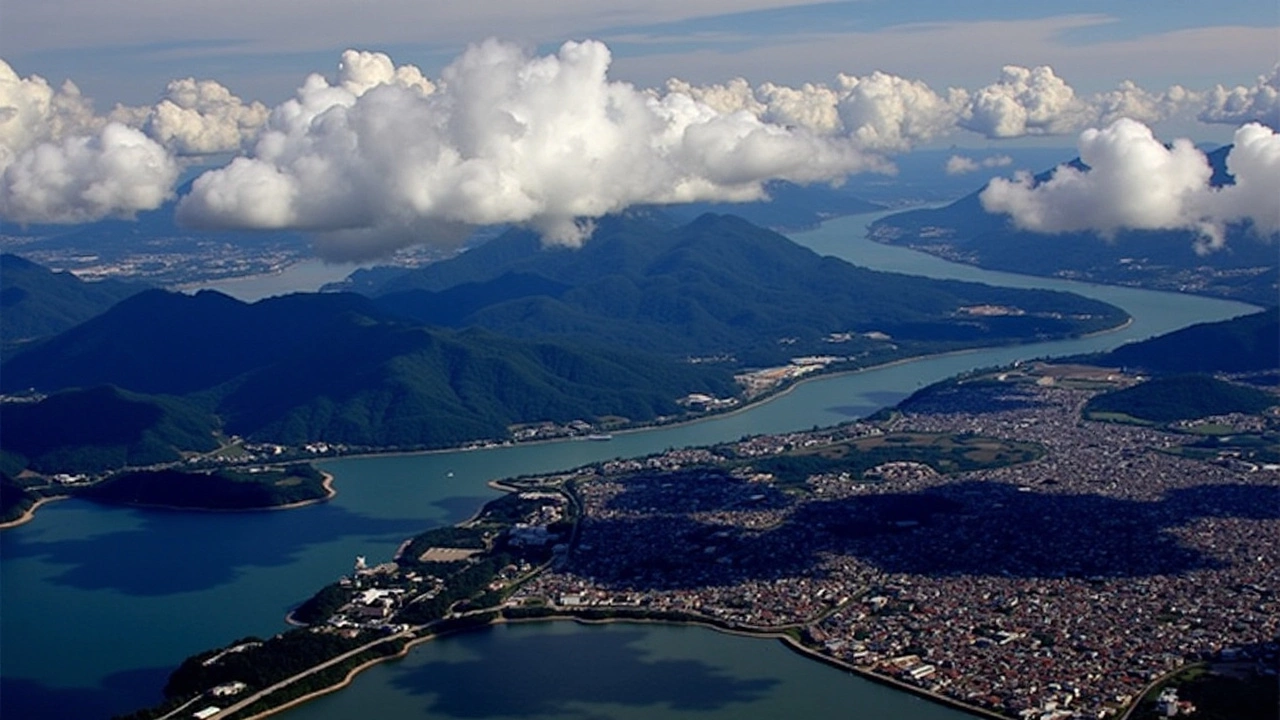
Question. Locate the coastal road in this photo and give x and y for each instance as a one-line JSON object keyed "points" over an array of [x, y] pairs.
{"points": [[251, 699]]}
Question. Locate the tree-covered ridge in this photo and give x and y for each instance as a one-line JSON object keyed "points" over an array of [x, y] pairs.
{"points": [[334, 367], [1248, 269], [14, 499], [601, 331], [1180, 397], [719, 286], [219, 490], [37, 302], [101, 428], [1244, 344]]}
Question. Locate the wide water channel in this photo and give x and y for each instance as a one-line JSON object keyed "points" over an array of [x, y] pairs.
{"points": [[99, 604]]}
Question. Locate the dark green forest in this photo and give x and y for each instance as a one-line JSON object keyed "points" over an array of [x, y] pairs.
{"points": [[1182, 397], [1244, 344], [333, 367], [220, 490], [37, 302], [101, 428], [506, 333], [718, 285]]}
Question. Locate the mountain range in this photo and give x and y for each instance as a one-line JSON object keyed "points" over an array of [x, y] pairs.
{"points": [[37, 302], [1247, 269], [100, 428], [335, 367], [719, 286], [512, 332]]}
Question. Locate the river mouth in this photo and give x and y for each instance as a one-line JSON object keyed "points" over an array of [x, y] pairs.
{"points": [[134, 592]]}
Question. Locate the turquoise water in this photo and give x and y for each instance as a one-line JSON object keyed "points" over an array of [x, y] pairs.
{"points": [[98, 604]]}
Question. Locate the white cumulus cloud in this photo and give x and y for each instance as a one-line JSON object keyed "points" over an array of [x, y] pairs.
{"points": [[881, 112], [1134, 181], [1257, 103], [198, 117], [1133, 102], [117, 171], [61, 163], [961, 164], [1026, 101], [32, 112], [887, 112], [878, 112], [1254, 161], [503, 137]]}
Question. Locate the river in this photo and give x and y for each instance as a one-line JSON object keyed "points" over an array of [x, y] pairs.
{"points": [[98, 604]]}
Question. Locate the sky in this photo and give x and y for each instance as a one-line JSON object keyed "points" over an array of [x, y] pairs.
{"points": [[554, 113], [126, 50]]}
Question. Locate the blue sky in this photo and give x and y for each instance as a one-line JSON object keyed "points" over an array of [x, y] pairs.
{"points": [[125, 50]]}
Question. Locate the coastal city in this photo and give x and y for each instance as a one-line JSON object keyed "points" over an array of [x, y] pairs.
{"points": [[1058, 588], [1057, 576], [694, 360]]}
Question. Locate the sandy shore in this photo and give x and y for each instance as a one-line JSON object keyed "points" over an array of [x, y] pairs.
{"points": [[30, 512]]}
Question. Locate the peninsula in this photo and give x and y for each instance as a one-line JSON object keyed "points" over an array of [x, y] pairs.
{"points": [[248, 487]]}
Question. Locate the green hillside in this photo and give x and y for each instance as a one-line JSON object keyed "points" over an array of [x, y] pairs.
{"points": [[14, 499], [36, 302], [1243, 344], [100, 428], [1182, 397], [219, 490], [511, 333], [720, 286], [336, 368]]}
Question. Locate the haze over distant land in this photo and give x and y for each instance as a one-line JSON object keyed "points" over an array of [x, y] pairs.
{"points": [[1144, 234], [383, 154]]}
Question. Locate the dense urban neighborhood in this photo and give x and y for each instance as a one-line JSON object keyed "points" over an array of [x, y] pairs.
{"points": [[982, 544]]}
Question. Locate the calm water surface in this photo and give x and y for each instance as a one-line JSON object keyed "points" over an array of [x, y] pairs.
{"points": [[305, 276], [98, 604]]}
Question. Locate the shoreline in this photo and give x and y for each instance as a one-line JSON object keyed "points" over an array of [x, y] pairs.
{"points": [[327, 483], [1096, 283], [30, 513], [779, 635], [329, 478], [751, 405]]}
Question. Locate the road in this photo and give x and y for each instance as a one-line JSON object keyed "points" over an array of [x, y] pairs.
{"points": [[251, 699]]}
